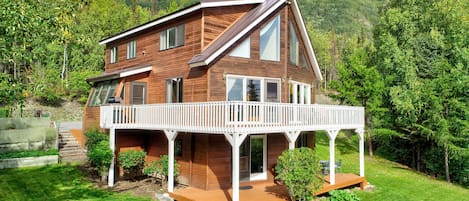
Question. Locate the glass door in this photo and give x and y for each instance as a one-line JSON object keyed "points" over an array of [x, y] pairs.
{"points": [[258, 157]]}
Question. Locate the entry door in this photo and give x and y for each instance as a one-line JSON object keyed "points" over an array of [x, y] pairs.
{"points": [[258, 157]]}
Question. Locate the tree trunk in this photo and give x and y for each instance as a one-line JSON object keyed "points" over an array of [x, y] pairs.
{"points": [[447, 165]]}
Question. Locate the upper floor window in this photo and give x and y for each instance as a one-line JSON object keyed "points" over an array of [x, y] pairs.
{"points": [[270, 40], [131, 49], [138, 93], [172, 37], [102, 92], [174, 90], [243, 49], [299, 93], [294, 50], [113, 56]]}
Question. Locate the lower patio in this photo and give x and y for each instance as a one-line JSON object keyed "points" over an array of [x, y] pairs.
{"points": [[257, 191]]}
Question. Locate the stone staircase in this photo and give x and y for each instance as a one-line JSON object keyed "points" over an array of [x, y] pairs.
{"points": [[69, 149]]}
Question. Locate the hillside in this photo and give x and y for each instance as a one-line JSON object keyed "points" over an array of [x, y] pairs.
{"points": [[391, 181]]}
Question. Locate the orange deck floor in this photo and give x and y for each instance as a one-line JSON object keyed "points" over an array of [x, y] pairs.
{"points": [[262, 190]]}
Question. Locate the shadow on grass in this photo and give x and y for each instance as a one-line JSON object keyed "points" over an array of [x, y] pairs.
{"points": [[57, 182]]}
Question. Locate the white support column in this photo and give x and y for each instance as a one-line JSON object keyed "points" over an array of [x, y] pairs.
{"points": [[291, 138], [362, 151], [112, 145], [332, 134], [171, 135], [235, 139]]}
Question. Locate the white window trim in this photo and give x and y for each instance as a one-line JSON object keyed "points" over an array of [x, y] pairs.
{"points": [[132, 49], [114, 55], [302, 92], [262, 85], [164, 39]]}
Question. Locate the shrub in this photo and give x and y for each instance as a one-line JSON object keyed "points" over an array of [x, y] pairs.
{"points": [[132, 162], [342, 195], [101, 157], [300, 171], [159, 169], [93, 137]]}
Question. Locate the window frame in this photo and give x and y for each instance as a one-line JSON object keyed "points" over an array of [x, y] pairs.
{"points": [[144, 98], [294, 45], [106, 85], [299, 93], [240, 52], [262, 46], [263, 86], [170, 90], [114, 55], [132, 49], [179, 37]]}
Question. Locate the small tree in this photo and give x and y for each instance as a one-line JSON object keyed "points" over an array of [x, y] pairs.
{"points": [[132, 162], [159, 169], [101, 157], [299, 170]]}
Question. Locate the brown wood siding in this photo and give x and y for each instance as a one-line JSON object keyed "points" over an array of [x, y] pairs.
{"points": [[199, 161], [216, 20], [185, 161], [91, 117], [219, 165], [276, 144]]}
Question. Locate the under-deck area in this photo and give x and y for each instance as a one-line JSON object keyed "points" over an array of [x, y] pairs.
{"points": [[257, 191]]}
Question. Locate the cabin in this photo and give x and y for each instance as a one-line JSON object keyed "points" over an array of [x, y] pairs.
{"points": [[223, 87]]}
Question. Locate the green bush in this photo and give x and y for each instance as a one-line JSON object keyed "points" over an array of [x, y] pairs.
{"points": [[342, 195], [101, 157], [132, 158], [93, 137], [132, 162], [300, 171], [159, 169]]}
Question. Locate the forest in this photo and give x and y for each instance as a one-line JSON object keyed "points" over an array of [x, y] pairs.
{"points": [[405, 61]]}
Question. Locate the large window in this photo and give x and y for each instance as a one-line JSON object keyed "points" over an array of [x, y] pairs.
{"points": [[270, 40], [240, 88], [174, 90], [113, 55], [243, 49], [131, 49], [172, 37], [294, 50], [102, 92], [299, 93], [138, 93]]}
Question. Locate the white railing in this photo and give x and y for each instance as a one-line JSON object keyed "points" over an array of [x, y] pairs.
{"points": [[232, 116]]}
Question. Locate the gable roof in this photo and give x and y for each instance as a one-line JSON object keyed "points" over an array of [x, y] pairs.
{"points": [[245, 25], [177, 14]]}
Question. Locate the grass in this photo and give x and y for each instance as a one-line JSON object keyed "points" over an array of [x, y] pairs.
{"points": [[392, 181], [57, 182], [29, 153]]}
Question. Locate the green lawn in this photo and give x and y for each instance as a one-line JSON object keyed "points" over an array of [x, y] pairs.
{"points": [[57, 182], [392, 180]]}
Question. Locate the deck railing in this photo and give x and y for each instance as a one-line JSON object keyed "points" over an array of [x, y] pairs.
{"points": [[232, 116]]}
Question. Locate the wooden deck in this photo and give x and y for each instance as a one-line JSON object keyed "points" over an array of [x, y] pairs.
{"points": [[262, 190]]}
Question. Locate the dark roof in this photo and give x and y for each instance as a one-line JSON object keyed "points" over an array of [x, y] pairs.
{"points": [[247, 22], [120, 73]]}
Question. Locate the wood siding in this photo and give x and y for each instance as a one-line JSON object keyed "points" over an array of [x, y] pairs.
{"points": [[217, 20]]}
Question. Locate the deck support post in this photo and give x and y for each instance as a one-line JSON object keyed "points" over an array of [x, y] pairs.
{"points": [[171, 135], [235, 139], [332, 134], [362, 151], [291, 138], [112, 145]]}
